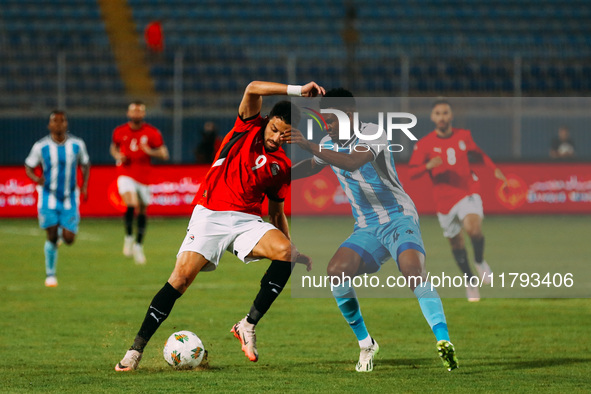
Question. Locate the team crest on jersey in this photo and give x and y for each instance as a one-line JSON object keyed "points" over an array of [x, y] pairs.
{"points": [[462, 145], [436, 149], [274, 168]]}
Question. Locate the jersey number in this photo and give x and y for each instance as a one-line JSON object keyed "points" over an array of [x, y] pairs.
{"points": [[133, 145], [451, 156], [260, 161]]}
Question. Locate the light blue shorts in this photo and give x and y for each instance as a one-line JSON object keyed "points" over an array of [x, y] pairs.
{"points": [[376, 244], [66, 218]]}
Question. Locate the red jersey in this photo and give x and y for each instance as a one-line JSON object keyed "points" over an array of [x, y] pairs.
{"points": [[137, 162], [454, 179], [244, 172]]}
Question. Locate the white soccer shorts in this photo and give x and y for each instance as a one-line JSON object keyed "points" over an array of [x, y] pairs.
{"points": [[126, 184], [210, 233], [451, 223]]}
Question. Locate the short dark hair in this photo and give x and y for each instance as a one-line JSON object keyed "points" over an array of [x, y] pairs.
{"points": [[58, 112], [290, 114], [440, 101], [339, 98], [137, 102]]}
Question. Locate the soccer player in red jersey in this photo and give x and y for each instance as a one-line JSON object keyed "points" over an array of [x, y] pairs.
{"points": [[444, 154], [249, 166], [134, 144]]}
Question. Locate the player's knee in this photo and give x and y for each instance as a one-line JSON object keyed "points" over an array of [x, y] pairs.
{"points": [[474, 232], [472, 225], [457, 242], [339, 269], [187, 266], [411, 263], [332, 270], [52, 236], [282, 251], [68, 237], [180, 281]]}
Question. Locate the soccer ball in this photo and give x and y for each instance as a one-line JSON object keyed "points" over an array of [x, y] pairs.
{"points": [[183, 350]]}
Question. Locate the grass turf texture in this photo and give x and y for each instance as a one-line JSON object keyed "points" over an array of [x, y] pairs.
{"points": [[69, 338]]}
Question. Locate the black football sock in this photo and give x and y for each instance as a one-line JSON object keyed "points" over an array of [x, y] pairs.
{"points": [[129, 220], [141, 227], [478, 245], [272, 284], [158, 311], [462, 260]]}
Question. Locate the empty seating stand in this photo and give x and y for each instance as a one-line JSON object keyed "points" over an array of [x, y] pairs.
{"points": [[449, 46], [35, 34]]}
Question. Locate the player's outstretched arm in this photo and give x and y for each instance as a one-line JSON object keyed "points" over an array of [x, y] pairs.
{"points": [[116, 153], [345, 161], [420, 163], [40, 180], [159, 153], [472, 147], [499, 175], [277, 217], [85, 177], [305, 168], [252, 100]]}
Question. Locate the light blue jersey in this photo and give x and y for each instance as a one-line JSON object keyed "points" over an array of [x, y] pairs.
{"points": [[386, 220], [374, 191], [59, 162]]}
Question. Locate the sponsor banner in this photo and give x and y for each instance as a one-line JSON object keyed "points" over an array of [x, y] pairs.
{"points": [[542, 188], [552, 188], [173, 189]]}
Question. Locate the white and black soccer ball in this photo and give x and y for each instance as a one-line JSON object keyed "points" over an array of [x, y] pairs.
{"points": [[184, 350]]}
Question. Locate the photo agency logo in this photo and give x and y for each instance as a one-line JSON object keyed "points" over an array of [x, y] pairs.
{"points": [[365, 140]]}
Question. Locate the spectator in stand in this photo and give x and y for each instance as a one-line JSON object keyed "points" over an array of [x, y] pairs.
{"points": [[154, 36], [209, 145], [563, 146]]}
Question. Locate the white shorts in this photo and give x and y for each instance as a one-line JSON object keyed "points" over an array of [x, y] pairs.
{"points": [[210, 233], [126, 184], [451, 222]]}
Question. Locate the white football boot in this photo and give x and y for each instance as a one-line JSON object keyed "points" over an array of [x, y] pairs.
{"points": [[365, 363]]}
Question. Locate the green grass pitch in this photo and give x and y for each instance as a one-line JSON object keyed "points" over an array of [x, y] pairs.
{"points": [[68, 339]]}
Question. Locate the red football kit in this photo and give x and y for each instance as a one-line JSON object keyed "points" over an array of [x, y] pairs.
{"points": [[244, 172], [137, 162], [454, 179]]}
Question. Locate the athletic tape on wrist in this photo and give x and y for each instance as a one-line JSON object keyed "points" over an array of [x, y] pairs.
{"points": [[294, 90]]}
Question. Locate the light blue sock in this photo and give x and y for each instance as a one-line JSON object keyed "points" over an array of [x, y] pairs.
{"points": [[50, 258], [432, 309], [349, 306]]}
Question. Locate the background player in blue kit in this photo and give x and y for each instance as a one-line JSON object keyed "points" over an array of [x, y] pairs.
{"points": [[59, 154], [386, 224]]}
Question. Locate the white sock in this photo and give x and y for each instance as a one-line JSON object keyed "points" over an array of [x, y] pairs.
{"points": [[367, 342]]}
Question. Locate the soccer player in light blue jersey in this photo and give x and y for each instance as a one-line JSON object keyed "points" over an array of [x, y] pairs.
{"points": [[386, 223], [59, 154]]}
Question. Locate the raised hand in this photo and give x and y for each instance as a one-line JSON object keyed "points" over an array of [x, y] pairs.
{"points": [[312, 89]]}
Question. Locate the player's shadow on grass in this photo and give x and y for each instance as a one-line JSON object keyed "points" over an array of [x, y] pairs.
{"points": [[200, 369], [413, 363], [527, 364]]}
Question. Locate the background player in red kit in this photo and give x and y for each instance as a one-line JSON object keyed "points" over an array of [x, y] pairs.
{"points": [[444, 154], [134, 144], [249, 166]]}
